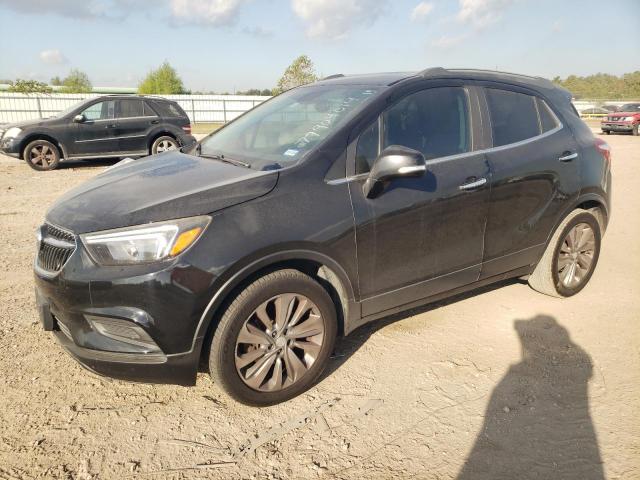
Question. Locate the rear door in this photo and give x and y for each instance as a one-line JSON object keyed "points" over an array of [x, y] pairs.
{"points": [[96, 135], [534, 160], [135, 120], [424, 235]]}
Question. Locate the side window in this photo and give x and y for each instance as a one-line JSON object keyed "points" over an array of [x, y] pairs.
{"points": [[100, 111], [131, 108], [433, 121], [547, 118], [514, 116], [367, 148], [148, 110]]}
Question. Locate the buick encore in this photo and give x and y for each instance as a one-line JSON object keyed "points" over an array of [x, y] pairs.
{"points": [[324, 208]]}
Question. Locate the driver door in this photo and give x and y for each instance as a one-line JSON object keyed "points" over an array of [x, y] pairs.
{"points": [[96, 135], [421, 236]]}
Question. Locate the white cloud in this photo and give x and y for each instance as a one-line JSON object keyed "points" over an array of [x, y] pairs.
{"points": [[421, 11], [336, 18], [54, 57], [448, 41], [70, 8], [206, 12], [482, 13]]}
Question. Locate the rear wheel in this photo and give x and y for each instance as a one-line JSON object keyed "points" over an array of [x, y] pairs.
{"points": [[570, 258], [164, 144], [274, 339], [41, 155]]}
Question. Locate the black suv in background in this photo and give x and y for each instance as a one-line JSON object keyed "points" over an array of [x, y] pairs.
{"points": [[99, 127], [324, 208]]}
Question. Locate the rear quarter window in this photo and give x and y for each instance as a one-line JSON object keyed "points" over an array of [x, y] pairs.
{"points": [[167, 109]]}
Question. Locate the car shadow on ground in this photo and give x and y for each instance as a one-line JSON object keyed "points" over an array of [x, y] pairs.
{"points": [[537, 423], [92, 163]]}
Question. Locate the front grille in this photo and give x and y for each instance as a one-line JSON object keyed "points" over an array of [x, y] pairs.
{"points": [[56, 246]]}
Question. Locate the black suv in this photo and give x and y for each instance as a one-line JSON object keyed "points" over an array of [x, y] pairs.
{"points": [[322, 209], [99, 127]]}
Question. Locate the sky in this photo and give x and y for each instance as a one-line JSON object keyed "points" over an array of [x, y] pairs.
{"points": [[229, 45]]}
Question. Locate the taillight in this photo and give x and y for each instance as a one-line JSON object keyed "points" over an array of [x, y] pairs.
{"points": [[187, 128], [604, 149]]}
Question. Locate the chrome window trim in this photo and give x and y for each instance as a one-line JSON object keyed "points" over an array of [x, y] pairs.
{"points": [[361, 176], [138, 117]]}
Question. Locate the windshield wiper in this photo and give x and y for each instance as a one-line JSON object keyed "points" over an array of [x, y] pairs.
{"points": [[222, 158]]}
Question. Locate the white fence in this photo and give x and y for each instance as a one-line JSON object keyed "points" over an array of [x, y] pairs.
{"points": [[15, 107]]}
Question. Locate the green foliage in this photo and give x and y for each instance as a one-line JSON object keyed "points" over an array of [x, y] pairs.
{"points": [[163, 80], [76, 82], [255, 91], [300, 72], [29, 86], [603, 86]]}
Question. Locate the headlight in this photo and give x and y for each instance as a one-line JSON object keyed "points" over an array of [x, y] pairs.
{"points": [[12, 132], [144, 243], [627, 119]]}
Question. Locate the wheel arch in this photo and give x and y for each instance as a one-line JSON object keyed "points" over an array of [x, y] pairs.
{"points": [[587, 201], [160, 133], [319, 266], [42, 136]]}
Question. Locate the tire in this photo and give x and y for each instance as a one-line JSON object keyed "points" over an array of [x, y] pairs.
{"points": [[164, 144], [229, 353], [607, 132], [634, 132], [41, 155], [548, 278]]}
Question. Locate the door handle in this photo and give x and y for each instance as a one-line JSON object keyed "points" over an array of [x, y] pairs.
{"points": [[155, 122], [474, 184], [568, 156], [111, 125]]}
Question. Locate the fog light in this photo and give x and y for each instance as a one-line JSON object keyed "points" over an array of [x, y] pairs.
{"points": [[123, 331]]}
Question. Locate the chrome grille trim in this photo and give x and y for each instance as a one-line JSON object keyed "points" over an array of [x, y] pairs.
{"points": [[55, 248]]}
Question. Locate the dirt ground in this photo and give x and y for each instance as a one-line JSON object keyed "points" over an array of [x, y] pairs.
{"points": [[533, 386]]}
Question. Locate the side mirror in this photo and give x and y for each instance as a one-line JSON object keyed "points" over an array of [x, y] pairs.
{"points": [[79, 118], [394, 161]]}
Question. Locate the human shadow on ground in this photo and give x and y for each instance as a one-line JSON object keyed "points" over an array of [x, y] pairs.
{"points": [[537, 424]]}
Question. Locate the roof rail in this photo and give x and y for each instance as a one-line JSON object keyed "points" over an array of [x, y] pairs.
{"points": [[433, 71], [335, 75], [482, 70]]}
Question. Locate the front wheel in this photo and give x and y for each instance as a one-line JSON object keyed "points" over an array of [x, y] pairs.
{"points": [[570, 258], [634, 132], [274, 339], [41, 155], [164, 143]]}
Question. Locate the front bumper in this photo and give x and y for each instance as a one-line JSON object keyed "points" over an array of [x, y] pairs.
{"points": [[166, 304], [616, 127]]}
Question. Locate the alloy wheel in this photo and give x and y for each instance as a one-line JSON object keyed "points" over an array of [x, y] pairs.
{"points": [[43, 155], [279, 342], [166, 145], [575, 258]]}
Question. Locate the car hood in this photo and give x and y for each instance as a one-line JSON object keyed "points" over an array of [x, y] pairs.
{"points": [[161, 187], [623, 114], [34, 122]]}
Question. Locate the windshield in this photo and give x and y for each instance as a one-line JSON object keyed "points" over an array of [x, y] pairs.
{"points": [[280, 132], [67, 111], [630, 107]]}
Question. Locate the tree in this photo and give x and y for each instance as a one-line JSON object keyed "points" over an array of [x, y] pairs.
{"points": [[603, 86], [56, 82], [76, 82], [163, 80], [29, 86], [300, 72]]}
